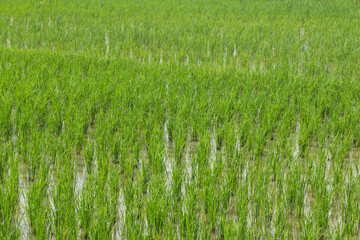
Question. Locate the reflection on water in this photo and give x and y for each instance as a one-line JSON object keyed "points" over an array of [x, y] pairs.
{"points": [[296, 147], [79, 183], [119, 229], [24, 221], [168, 162], [212, 149]]}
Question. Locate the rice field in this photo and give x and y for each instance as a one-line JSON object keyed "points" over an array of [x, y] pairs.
{"points": [[171, 119]]}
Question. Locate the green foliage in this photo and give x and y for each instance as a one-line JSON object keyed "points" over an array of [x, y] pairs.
{"points": [[179, 120]]}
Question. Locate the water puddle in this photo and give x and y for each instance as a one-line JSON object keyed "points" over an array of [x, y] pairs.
{"points": [[50, 192], [107, 44], [212, 157], [168, 161], [79, 183], [119, 230], [296, 147], [8, 41], [249, 217], [25, 228], [187, 172]]}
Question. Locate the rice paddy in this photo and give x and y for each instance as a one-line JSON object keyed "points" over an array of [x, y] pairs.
{"points": [[179, 119]]}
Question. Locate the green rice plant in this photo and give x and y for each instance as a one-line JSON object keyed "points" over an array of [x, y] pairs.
{"points": [[180, 134], [156, 219], [4, 157], [106, 200], [63, 198], [86, 207], [89, 154], [6, 127], [189, 222], [155, 149], [37, 205], [9, 193]]}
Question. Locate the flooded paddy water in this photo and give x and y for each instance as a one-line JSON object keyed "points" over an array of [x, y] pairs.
{"points": [[319, 159], [336, 213], [189, 168]]}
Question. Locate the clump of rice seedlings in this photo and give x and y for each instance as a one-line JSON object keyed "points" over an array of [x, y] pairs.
{"points": [[9, 193], [86, 208], [37, 205], [63, 197]]}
